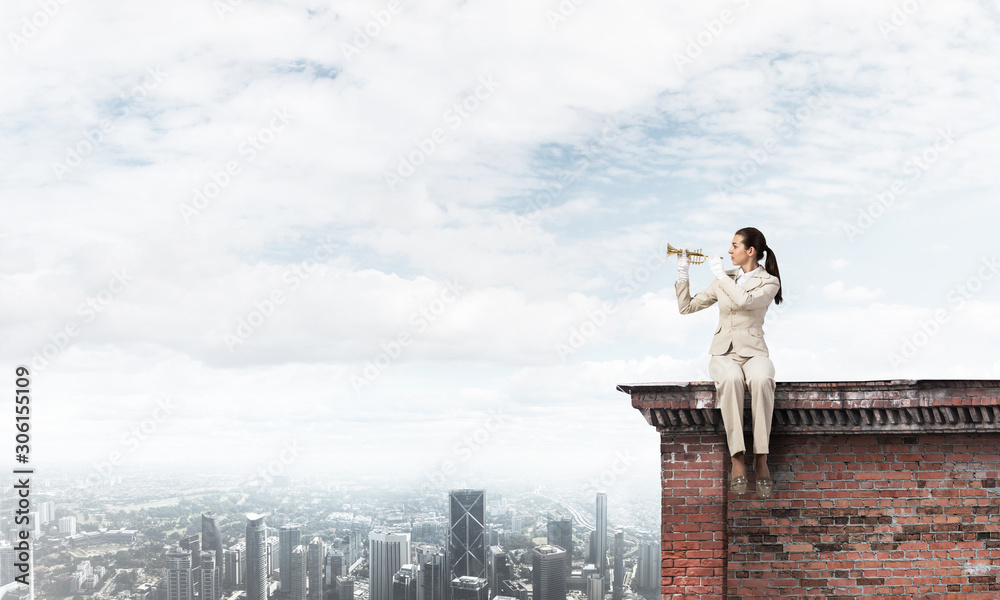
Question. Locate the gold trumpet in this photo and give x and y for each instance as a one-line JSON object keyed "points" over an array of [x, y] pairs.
{"points": [[695, 256]]}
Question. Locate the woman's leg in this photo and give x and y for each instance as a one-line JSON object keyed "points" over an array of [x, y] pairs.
{"points": [[759, 373], [729, 385]]}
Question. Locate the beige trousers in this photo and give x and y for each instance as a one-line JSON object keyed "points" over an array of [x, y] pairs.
{"points": [[731, 372]]}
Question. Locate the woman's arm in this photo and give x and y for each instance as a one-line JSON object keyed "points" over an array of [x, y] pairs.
{"points": [[686, 304], [759, 297]]}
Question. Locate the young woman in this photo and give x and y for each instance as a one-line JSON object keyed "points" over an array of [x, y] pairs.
{"points": [[739, 354]]}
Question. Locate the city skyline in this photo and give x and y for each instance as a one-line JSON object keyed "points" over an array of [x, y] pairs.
{"points": [[276, 256], [253, 542]]}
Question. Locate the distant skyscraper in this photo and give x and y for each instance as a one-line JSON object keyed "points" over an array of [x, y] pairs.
{"points": [[433, 573], [236, 564], [386, 554], [271, 551], [334, 568], [649, 566], [353, 544], [467, 546], [497, 568], [561, 534], [211, 540], [67, 525], [617, 588], [209, 577], [315, 569], [470, 588], [6, 563], [602, 534], [404, 583], [288, 538], [256, 561], [595, 587], [192, 544], [592, 549], [179, 584], [345, 588], [46, 512], [297, 572], [548, 573]]}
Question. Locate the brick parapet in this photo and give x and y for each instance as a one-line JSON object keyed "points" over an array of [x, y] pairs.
{"points": [[887, 489], [811, 408]]}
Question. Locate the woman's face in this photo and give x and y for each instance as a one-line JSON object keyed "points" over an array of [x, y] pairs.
{"points": [[738, 252]]}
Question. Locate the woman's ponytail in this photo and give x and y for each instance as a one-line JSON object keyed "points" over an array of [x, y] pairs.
{"points": [[752, 237]]}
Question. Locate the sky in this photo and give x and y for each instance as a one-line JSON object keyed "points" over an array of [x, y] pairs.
{"points": [[426, 240]]}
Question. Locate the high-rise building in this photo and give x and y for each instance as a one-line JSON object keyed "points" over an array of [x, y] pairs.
{"points": [[433, 573], [67, 525], [6, 563], [404, 583], [617, 589], [351, 547], [179, 583], [288, 538], [192, 544], [466, 545], [46, 512], [470, 588], [602, 534], [315, 569], [548, 573], [494, 537], [497, 568], [271, 552], [345, 588], [649, 566], [595, 587], [211, 541], [386, 554], [297, 572], [210, 587], [592, 549], [561, 534], [256, 561], [236, 564], [334, 567]]}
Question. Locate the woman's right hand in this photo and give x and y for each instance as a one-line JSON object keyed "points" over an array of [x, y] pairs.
{"points": [[682, 266]]}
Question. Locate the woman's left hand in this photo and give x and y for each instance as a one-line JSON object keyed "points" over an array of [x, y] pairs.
{"points": [[715, 263]]}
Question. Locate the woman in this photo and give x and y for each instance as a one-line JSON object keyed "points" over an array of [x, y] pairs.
{"points": [[739, 354]]}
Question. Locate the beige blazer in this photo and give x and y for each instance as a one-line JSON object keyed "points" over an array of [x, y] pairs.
{"points": [[741, 310]]}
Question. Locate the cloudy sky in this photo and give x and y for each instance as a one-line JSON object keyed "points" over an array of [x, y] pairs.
{"points": [[427, 239]]}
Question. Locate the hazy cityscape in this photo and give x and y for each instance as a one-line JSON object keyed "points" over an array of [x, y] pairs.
{"points": [[215, 537]]}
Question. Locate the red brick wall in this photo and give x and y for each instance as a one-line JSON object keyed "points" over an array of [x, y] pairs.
{"points": [[912, 517], [694, 518], [888, 517], [871, 499]]}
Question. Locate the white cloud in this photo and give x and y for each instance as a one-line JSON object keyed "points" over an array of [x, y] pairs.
{"points": [[806, 111], [836, 291]]}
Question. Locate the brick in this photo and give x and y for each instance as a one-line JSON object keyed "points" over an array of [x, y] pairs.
{"points": [[871, 514]]}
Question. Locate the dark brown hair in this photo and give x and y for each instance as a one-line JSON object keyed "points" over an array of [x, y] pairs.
{"points": [[752, 237]]}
